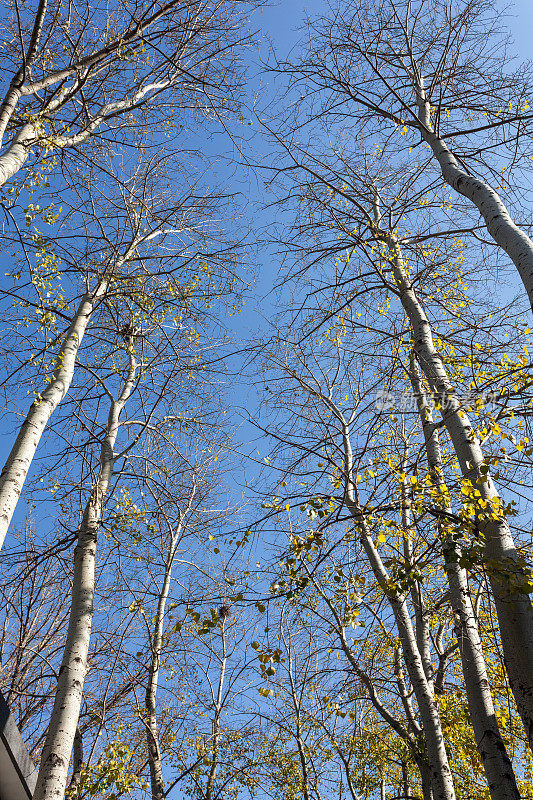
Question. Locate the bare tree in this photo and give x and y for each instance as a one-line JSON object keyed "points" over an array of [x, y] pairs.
{"points": [[345, 212], [142, 242], [34, 615], [113, 69], [396, 68], [52, 777]]}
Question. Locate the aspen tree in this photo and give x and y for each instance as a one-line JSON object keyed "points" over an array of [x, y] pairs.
{"points": [[436, 775], [515, 613], [348, 216], [177, 497], [142, 241], [428, 69], [325, 539], [74, 75], [497, 764], [156, 648], [52, 778], [19, 460], [441, 776]]}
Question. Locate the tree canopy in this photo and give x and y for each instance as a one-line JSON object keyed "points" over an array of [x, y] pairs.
{"points": [[265, 503]]}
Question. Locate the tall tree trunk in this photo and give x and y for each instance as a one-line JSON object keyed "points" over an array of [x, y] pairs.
{"points": [[419, 755], [437, 758], [19, 149], [14, 93], [496, 762], [17, 153], [155, 760], [513, 606], [501, 227], [215, 739], [154, 750], [421, 617], [441, 776], [421, 760], [53, 771], [405, 781], [20, 458], [425, 782]]}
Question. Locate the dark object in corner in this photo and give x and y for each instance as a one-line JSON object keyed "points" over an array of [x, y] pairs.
{"points": [[17, 771]]}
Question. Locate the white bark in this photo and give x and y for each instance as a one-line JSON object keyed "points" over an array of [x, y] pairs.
{"points": [[109, 111], [53, 770], [514, 609], [155, 760], [215, 739], [408, 736], [437, 780], [19, 149], [20, 458], [496, 762], [421, 617], [9, 104], [439, 768], [405, 780], [422, 764], [501, 227], [154, 750], [82, 65], [15, 90], [17, 152], [441, 777]]}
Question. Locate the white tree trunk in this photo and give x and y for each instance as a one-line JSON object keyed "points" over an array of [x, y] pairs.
{"points": [[20, 458], [20, 147], [421, 616], [439, 772], [409, 737], [441, 776], [156, 647], [57, 750], [496, 762], [154, 750], [14, 93], [501, 227], [17, 152], [215, 739], [514, 609]]}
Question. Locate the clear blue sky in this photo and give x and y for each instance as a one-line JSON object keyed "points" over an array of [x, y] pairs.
{"points": [[521, 23], [281, 18]]}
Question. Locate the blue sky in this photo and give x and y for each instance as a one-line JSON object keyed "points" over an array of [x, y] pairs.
{"points": [[280, 21], [521, 22]]}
